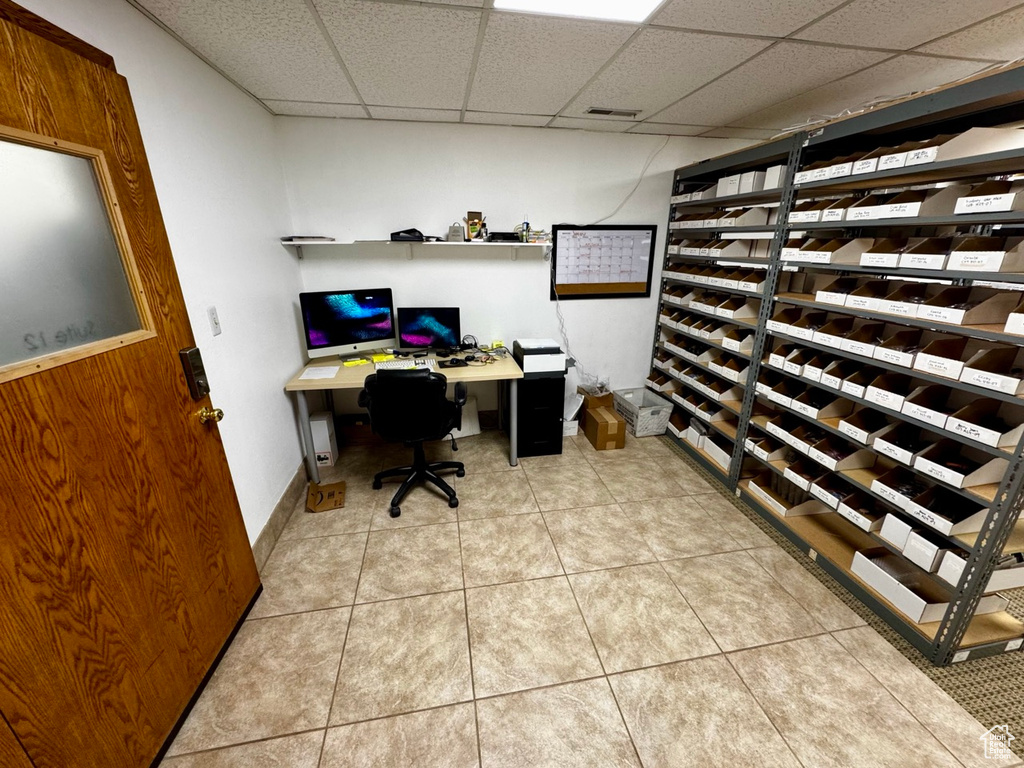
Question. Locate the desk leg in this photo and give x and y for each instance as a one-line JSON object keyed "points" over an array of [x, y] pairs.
{"points": [[513, 427], [307, 437]]}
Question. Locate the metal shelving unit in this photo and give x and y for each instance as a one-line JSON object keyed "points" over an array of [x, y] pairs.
{"points": [[829, 538]]}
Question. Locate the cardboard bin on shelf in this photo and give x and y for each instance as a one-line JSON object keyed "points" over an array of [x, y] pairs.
{"points": [[912, 203], [992, 197], [836, 373], [794, 363], [836, 211], [862, 510], [990, 422], [857, 383], [836, 251], [738, 340], [947, 512], [830, 489], [833, 332], [899, 345], [868, 207], [888, 390], [783, 318], [864, 425], [807, 324], [869, 295], [818, 404], [837, 291], [906, 297], [892, 442], [801, 473], [837, 455], [924, 549], [946, 355], [760, 487], [986, 254], [883, 252], [864, 339], [997, 368], [960, 466], [926, 253], [928, 404], [1005, 576], [964, 305]]}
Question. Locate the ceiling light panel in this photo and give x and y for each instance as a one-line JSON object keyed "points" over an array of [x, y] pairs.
{"points": [[273, 48], [535, 64], [900, 24], [753, 17], [660, 66], [404, 55], [607, 10]]}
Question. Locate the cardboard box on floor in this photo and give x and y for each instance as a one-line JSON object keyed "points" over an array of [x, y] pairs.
{"points": [[326, 496], [605, 429], [592, 401]]}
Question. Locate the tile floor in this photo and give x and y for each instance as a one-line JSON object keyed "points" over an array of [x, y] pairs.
{"points": [[589, 609]]}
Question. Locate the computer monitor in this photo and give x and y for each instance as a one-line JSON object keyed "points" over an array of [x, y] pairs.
{"points": [[347, 322], [428, 327]]}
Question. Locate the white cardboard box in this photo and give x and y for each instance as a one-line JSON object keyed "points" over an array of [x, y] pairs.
{"points": [[752, 181], [774, 176], [921, 550], [952, 567], [895, 530], [325, 441]]}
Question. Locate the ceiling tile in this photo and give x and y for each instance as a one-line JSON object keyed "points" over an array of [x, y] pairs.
{"points": [[312, 109], [776, 18], [272, 48], [895, 77], [535, 64], [612, 126], [416, 115], [667, 129], [1000, 38], [779, 73], [739, 133], [900, 24], [660, 66], [404, 55], [503, 118]]}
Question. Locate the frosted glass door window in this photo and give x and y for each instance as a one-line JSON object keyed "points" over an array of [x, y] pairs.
{"points": [[62, 280]]}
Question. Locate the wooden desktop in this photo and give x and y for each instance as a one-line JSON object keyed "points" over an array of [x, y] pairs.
{"points": [[352, 377]]}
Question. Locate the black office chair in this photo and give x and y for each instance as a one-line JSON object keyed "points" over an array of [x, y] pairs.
{"points": [[411, 406]]}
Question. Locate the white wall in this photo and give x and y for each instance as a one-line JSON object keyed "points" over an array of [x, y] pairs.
{"points": [[212, 151], [361, 180]]}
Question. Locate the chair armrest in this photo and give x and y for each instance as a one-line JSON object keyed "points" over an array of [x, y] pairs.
{"points": [[460, 393], [364, 399]]}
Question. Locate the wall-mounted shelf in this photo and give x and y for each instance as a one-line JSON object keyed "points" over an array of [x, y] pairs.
{"points": [[410, 248]]}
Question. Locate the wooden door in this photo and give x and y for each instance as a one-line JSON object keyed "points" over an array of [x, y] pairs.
{"points": [[124, 562]]}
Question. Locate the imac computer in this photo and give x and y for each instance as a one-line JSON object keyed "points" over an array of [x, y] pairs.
{"points": [[347, 322], [428, 328]]}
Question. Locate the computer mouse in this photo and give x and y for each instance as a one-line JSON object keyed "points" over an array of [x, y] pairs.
{"points": [[456, 363]]}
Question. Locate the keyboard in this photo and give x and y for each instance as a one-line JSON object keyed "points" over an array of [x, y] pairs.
{"points": [[404, 365]]}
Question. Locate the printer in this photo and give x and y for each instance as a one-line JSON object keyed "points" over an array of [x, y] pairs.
{"points": [[539, 357]]}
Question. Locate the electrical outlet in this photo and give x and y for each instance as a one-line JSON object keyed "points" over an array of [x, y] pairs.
{"points": [[214, 321]]}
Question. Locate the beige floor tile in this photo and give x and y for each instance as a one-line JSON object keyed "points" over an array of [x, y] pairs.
{"points": [[354, 517], [423, 505], [675, 528], [354, 462], [827, 609], [697, 713], [436, 738], [637, 618], [504, 549], [276, 678], [738, 602], [567, 487], [308, 574], [410, 561], [688, 478], [299, 751], [527, 634], [942, 716], [568, 725], [736, 524], [403, 655], [570, 455], [486, 452], [400, 455], [831, 711], [638, 480], [633, 450], [598, 537], [492, 494], [656, 447]]}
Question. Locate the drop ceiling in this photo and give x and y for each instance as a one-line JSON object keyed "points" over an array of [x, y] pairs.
{"points": [[724, 68]]}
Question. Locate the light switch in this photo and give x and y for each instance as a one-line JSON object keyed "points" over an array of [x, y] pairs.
{"points": [[214, 321]]}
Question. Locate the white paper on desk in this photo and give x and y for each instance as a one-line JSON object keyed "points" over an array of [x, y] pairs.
{"points": [[321, 372]]}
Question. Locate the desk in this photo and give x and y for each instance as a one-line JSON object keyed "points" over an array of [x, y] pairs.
{"points": [[352, 377]]}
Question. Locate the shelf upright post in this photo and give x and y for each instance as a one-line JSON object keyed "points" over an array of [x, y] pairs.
{"points": [[771, 280], [999, 523]]}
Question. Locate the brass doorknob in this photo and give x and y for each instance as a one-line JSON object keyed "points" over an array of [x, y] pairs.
{"points": [[210, 414]]}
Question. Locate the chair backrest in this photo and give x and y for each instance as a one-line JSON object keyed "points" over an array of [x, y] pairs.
{"points": [[407, 406]]}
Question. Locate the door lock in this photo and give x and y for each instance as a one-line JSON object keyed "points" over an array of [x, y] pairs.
{"points": [[209, 414]]}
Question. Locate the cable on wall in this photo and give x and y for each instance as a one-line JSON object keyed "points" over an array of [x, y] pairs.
{"points": [[643, 172]]}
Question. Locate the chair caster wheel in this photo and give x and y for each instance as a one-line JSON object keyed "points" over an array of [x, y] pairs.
{"points": [[460, 473], [377, 485], [453, 503], [395, 511]]}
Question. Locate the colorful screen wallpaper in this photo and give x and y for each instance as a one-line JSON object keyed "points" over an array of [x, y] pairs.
{"points": [[423, 328], [340, 318]]}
